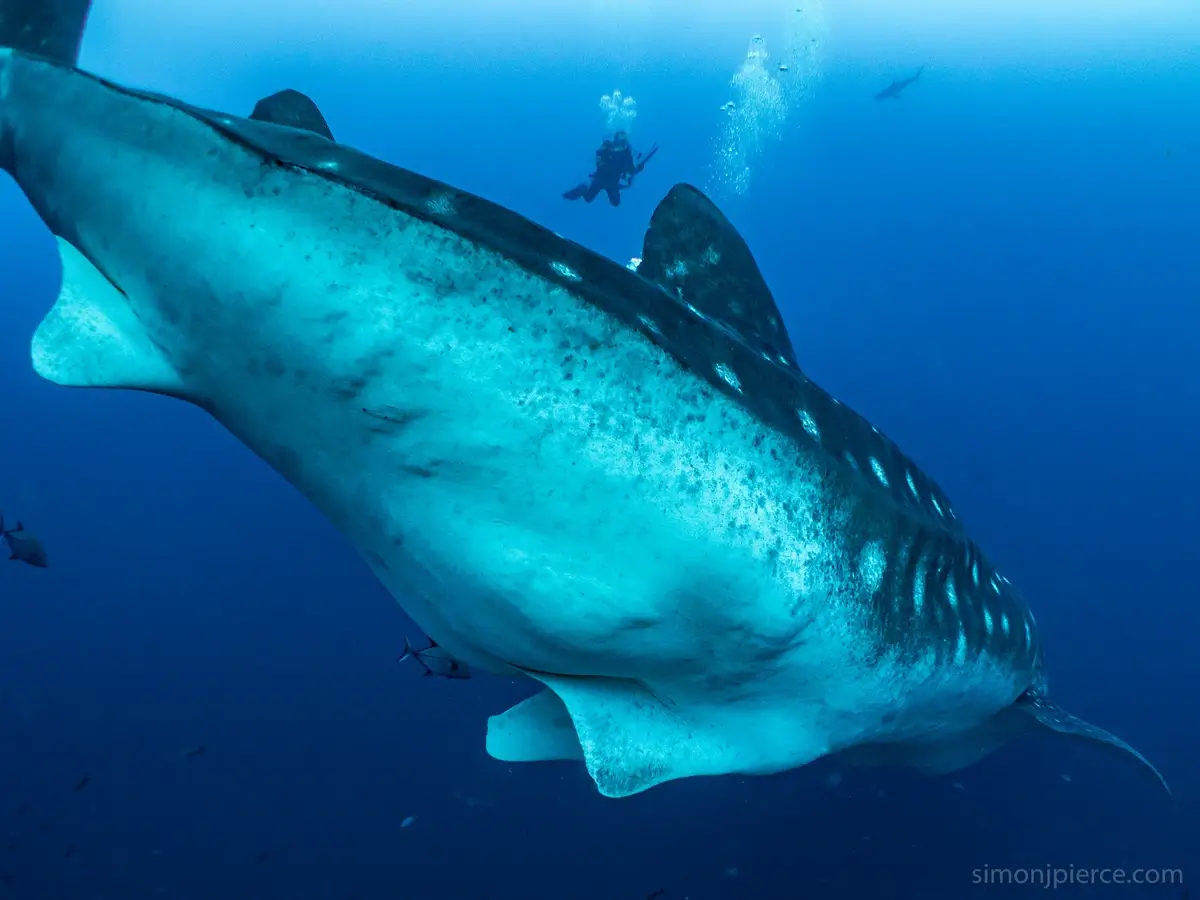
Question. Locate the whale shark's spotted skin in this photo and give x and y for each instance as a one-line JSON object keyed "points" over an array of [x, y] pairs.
{"points": [[619, 483]]}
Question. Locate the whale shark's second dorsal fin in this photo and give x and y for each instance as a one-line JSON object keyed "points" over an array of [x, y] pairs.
{"points": [[52, 29], [1054, 717], [293, 109], [694, 252]]}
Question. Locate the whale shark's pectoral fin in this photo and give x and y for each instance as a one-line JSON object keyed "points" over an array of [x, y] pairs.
{"points": [[1051, 716], [628, 738], [693, 251], [92, 338], [293, 109]]}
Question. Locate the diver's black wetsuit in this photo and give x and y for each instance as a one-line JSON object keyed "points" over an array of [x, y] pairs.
{"points": [[615, 171]]}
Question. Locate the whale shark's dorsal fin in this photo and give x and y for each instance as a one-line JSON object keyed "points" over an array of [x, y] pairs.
{"points": [[694, 252], [293, 109], [1051, 716], [52, 29]]}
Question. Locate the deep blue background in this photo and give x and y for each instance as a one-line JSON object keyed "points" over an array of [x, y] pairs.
{"points": [[1001, 271]]}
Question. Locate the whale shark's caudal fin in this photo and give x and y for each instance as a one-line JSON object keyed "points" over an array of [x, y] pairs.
{"points": [[1032, 709], [91, 338], [1055, 718], [49, 28], [293, 109]]}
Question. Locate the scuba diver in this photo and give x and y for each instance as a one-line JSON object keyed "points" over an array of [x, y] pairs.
{"points": [[616, 168]]}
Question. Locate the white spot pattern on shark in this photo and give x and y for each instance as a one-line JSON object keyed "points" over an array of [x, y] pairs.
{"points": [[728, 376]]}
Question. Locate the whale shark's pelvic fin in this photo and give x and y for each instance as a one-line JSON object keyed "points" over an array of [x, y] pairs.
{"points": [[52, 29], [91, 338], [539, 728], [294, 109], [1055, 718]]}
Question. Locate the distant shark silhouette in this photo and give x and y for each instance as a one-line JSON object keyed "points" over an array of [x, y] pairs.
{"points": [[896, 88]]}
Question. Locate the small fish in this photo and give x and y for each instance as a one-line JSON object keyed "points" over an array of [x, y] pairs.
{"points": [[408, 820], [83, 782], [198, 750], [653, 894], [23, 546], [435, 661]]}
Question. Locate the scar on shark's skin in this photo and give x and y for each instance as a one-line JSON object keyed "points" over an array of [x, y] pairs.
{"points": [[394, 414]]}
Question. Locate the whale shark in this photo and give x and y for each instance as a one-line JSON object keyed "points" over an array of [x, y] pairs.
{"points": [[615, 482]]}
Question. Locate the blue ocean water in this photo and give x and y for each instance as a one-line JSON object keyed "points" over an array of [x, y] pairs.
{"points": [[999, 270]]}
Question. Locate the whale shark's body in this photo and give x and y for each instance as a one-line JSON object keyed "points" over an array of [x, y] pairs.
{"points": [[618, 483]]}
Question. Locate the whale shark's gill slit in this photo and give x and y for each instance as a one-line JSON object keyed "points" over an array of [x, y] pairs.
{"points": [[911, 585], [894, 603]]}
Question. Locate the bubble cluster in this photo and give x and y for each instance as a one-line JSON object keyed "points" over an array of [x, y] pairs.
{"points": [[765, 93], [619, 111]]}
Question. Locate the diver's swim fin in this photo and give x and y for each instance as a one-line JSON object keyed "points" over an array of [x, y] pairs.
{"points": [[52, 29], [575, 193]]}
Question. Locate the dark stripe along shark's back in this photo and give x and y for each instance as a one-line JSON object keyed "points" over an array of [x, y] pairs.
{"points": [[691, 307], [682, 303], [706, 304], [761, 378], [701, 297]]}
